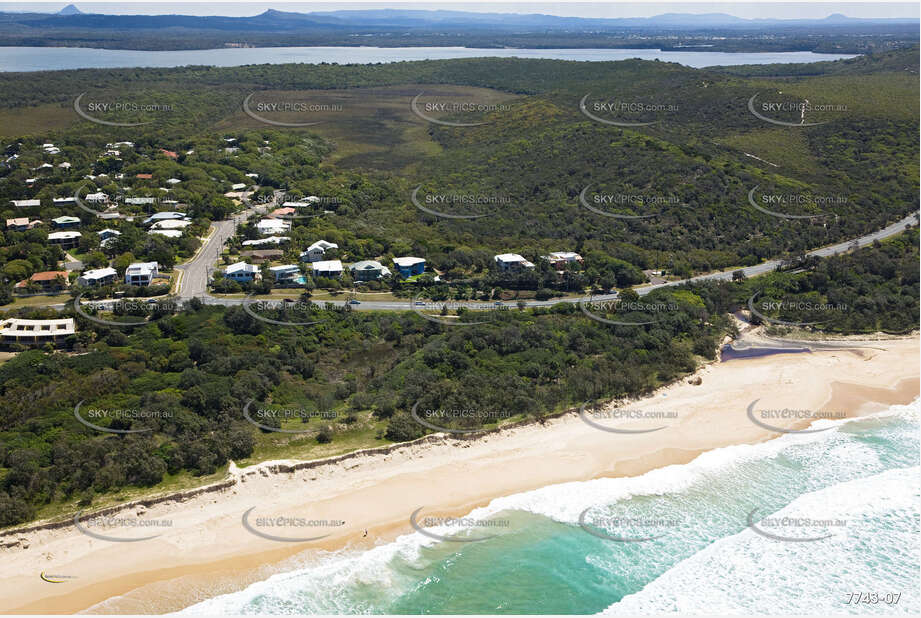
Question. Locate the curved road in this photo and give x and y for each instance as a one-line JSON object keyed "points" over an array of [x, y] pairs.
{"points": [[750, 271], [194, 281]]}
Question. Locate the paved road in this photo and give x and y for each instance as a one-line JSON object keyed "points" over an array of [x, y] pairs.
{"points": [[194, 279], [771, 265]]}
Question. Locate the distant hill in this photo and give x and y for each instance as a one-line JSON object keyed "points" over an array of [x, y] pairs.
{"points": [[438, 28], [70, 10], [272, 19]]}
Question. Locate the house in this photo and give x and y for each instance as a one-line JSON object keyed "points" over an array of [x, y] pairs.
{"points": [[163, 216], [263, 255], [17, 330], [512, 262], [167, 233], [65, 222], [144, 176], [63, 201], [26, 203], [331, 269], [268, 227], [238, 186], [65, 165], [21, 224], [310, 200], [282, 212], [169, 153], [171, 224], [368, 270], [317, 250], [173, 181], [141, 273], [107, 236], [287, 273], [140, 201], [96, 277], [242, 272], [66, 240], [559, 259], [409, 266], [271, 240], [48, 280], [96, 198]]}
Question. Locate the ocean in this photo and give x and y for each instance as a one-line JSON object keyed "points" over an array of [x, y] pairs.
{"points": [[803, 524]]}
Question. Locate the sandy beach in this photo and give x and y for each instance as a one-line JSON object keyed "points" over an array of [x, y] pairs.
{"points": [[206, 550]]}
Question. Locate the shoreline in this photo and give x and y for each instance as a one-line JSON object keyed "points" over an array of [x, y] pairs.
{"points": [[448, 476]]}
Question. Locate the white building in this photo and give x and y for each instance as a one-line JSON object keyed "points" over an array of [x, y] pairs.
{"points": [[331, 269], [66, 240], [308, 201], [242, 272], [286, 273], [140, 201], [171, 224], [317, 250], [16, 330], [98, 276], [167, 233], [512, 261], [97, 198], [271, 240], [26, 203], [269, 227], [564, 257], [141, 273]]}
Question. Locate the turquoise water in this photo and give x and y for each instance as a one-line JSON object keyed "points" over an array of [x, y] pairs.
{"points": [[860, 477]]}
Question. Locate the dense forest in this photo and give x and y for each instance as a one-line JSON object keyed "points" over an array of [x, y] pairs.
{"points": [[188, 376]]}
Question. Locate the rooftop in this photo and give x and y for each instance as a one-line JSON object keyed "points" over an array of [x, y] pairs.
{"points": [[408, 261], [17, 326]]}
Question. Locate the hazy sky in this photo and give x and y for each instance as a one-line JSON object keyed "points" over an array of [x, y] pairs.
{"points": [[764, 9]]}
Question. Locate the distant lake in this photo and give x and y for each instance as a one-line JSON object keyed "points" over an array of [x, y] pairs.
{"points": [[63, 58]]}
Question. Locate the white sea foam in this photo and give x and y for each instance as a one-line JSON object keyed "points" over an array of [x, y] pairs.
{"points": [[564, 502], [351, 581], [876, 552]]}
